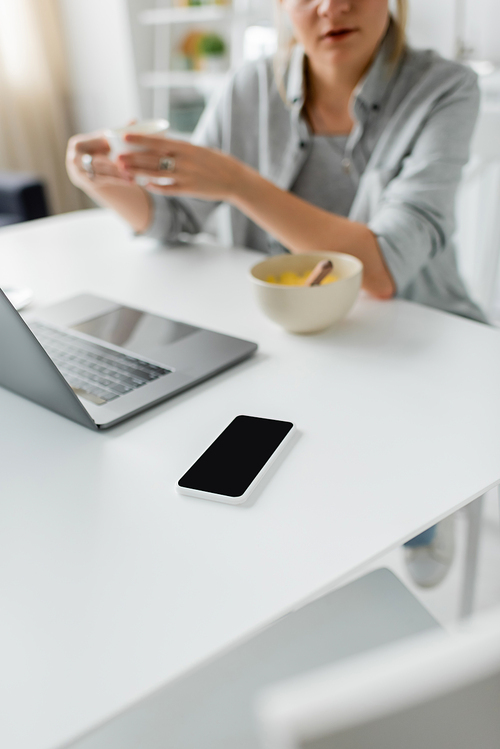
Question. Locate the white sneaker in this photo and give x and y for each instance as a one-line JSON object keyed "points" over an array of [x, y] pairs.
{"points": [[429, 564]]}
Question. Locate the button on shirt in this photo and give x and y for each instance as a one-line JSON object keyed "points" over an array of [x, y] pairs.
{"points": [[413, 124]]}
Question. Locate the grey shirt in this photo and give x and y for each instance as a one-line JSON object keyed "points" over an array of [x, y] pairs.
{"points": [[405, 154], [325, 168]]}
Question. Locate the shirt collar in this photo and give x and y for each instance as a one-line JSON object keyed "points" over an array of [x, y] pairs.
{"points": [[372, 87], [369, 91], [295, 90]]}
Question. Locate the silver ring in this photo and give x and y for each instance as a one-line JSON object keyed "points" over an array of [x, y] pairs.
{"points": [[87, 165], [166, 164]]}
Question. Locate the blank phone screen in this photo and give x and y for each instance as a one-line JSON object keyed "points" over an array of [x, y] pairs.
{"points": [[231, 463]]}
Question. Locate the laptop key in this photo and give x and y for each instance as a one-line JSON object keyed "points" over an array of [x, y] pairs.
{"points": [[121, 389]]}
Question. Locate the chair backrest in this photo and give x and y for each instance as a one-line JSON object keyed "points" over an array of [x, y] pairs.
{"points": [[437, 691], [478, 215]]}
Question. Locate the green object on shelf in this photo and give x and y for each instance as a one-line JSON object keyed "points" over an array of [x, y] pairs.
{"points": [[211, 44]]}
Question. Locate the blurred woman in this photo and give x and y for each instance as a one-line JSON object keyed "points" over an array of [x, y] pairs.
{"points": [[356, 146]]}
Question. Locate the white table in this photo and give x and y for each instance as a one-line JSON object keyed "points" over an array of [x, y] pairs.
{"points": [[110, 582]]}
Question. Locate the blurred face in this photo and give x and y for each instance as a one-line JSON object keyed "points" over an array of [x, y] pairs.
{"points": [[338, 32]]}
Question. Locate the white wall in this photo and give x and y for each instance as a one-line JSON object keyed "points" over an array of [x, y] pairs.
{"points": [[434, 24], [431, 24], [482, 28], [99, 51]]}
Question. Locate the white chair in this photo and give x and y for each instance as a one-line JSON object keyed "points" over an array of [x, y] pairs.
{"points": [[478, 250], [436, 691], [478, 215], [211, 706]]}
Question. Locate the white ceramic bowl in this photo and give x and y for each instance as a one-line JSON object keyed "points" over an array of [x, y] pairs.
{"points": [[307, 309], [145, 127]]}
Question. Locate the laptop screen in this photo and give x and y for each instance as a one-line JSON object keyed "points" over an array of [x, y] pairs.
{"points": [[134, 330]]}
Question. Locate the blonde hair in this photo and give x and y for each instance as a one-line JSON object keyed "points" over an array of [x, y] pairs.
{"points": [[286, 40], [400, 21]]}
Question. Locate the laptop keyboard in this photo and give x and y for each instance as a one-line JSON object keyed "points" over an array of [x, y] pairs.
{"points": [[94, 372]]}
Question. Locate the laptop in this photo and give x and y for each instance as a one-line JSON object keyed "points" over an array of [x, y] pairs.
{"points": [[99, 362]]}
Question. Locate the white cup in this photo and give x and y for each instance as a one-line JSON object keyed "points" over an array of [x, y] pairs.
{"points": [[117, 143]]}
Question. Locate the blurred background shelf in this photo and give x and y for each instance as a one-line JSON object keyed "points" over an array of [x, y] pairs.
{"points": [[187, 14], [182, 53], [181, 79]]}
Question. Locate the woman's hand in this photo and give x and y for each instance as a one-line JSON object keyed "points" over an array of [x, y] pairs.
{"points": [[105, 181], [102, 171], [183, 168]]}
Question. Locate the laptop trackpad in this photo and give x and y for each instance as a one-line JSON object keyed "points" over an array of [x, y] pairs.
{"points": [[136, 331]]}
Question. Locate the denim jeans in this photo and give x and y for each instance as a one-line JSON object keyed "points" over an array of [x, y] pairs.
{"points": [[423, 539]]}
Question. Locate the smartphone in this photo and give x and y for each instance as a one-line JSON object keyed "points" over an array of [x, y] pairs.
{"points": [[232, 466]]}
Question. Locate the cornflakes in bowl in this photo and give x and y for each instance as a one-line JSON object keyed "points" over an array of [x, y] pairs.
{"points": [[278, 285]]}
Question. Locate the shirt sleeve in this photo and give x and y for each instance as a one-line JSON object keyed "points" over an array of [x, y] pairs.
{"points": [[414, 219], [172, 217]]}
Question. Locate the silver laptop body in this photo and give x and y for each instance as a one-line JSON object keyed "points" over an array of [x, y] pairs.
{"points": [[107, 361]]}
